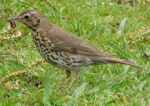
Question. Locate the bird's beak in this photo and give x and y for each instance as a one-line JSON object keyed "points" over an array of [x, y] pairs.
{"points": [[13, 21]]}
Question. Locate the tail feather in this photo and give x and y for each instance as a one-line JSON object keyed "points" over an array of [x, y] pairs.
{"points": [[106, 60]]}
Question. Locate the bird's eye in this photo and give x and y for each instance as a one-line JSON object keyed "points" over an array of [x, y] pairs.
{"points": [[26, 16]]}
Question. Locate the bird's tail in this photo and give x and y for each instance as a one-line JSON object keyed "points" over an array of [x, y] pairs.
{"points": [[99, 60]]}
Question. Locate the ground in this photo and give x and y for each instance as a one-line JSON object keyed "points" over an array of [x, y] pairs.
{"points": [[122, 30]]}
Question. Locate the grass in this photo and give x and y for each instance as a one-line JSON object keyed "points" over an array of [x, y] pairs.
{"points": [[117, 29]]}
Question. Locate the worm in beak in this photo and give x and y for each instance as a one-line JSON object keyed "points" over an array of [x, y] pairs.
{"points": [[12, 22]]}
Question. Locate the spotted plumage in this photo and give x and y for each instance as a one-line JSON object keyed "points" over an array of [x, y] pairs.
{"points": [[61, 48]]}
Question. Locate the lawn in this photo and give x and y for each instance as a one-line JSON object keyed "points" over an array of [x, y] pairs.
{"points": [[122, 30]]}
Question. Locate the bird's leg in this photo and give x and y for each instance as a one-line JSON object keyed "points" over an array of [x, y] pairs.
{"points": [[75, 74], [68, 72]]}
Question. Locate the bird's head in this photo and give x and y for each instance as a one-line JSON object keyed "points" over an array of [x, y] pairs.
{"points": [[31, 18]]}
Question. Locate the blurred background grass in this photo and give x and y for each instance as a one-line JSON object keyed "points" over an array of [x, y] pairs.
{"points": [[122, 30]]}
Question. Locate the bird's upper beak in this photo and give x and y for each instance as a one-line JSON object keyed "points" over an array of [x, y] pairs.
{"points": [[13, 21]]}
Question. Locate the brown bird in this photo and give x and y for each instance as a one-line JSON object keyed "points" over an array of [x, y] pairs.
{"points": [[61, 48]]}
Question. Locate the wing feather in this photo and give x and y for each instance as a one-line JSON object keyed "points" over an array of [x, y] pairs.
{"points": [[67, 42]]}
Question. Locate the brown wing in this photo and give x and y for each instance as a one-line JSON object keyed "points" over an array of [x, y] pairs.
{"points": [[67, 42]]}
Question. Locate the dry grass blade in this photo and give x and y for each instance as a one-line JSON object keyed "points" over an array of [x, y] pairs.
{"points": [[18, 73], [17, 33]]}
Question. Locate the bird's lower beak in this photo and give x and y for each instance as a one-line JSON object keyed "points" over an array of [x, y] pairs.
{"points": [[13, 21]]}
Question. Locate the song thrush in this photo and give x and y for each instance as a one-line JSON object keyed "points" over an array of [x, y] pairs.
{"points": [[61, 48]]}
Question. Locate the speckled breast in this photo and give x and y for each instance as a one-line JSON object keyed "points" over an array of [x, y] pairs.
{"points": [[47, 51]]}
